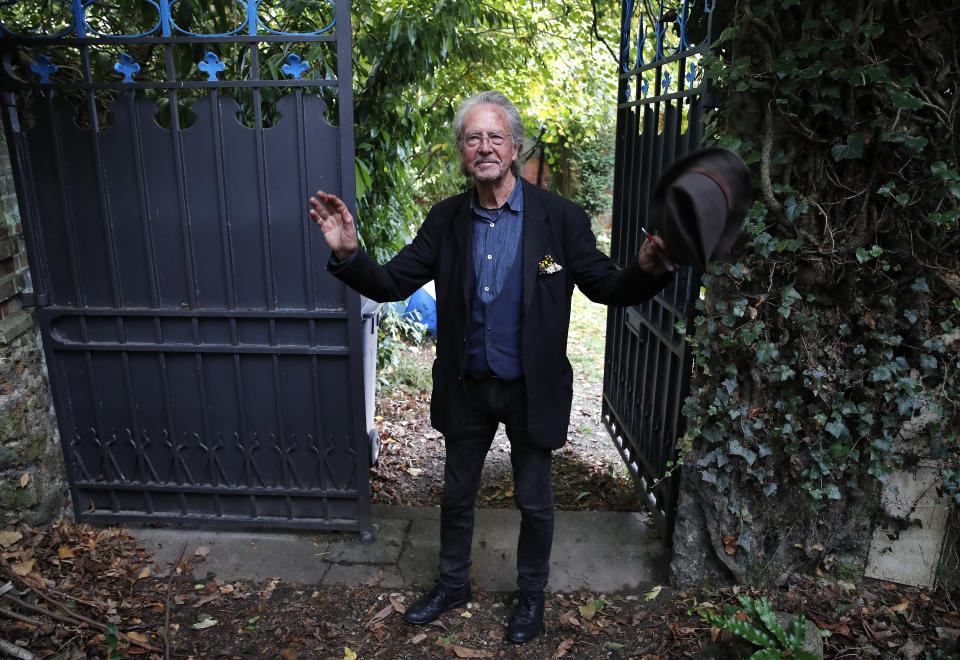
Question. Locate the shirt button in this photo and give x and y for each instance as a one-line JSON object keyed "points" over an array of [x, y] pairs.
{"points": [[492, 224], [489, 256], [486, 288]]}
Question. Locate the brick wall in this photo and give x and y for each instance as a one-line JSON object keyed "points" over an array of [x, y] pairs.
{"points": [[32, 481]]}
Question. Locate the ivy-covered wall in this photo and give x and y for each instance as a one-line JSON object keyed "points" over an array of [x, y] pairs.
{"points": [[826, 353], [32, 480]]}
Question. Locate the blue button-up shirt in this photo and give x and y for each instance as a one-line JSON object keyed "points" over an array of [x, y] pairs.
{"points": [[494, 328]]}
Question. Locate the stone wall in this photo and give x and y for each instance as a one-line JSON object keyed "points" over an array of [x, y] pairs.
{"points": [[32, 480]]}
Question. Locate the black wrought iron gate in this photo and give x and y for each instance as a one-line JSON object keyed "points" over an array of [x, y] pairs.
{"points": [[204, 366], [647, 365]]}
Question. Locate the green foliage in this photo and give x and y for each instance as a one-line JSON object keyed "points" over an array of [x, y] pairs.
{"points": [[112, 638], [825, 352], [757, 623], [593, 159], [399, 335]]}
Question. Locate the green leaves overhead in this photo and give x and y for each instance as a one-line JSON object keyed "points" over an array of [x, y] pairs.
{"points": [[414, 60]]}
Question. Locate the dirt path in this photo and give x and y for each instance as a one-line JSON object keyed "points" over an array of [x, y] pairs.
{"points": [[588, 473]]}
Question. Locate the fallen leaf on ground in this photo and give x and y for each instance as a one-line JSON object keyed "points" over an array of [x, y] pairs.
{"points": [[138, 637], [380, 616], [653, 593], [206, 599], [24, 480], [226, 589], [144, 573], [561, 651], [24, 567], [289, 653], [202, 551], [418, 638], [414, 472], [206, 622], [587, 611], [569, 618], [9, 538], [397, 605], [348, 654]]}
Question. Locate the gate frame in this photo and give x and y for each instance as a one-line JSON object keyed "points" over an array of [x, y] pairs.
{"points": [[647, 366], [81, 36]]}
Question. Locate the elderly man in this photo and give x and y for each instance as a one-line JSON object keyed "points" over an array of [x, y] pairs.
{"points": [[505, 257]]}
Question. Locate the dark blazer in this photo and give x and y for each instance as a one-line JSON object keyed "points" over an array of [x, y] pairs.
{"points": [[441, 251]]}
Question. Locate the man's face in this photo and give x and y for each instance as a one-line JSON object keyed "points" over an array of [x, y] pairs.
{"points": [[481, 157]]}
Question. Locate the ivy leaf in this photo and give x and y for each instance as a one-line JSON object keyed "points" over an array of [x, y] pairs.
{"points": [[737, 449], [836, 428], [880, 373], [916, 143], [766, 352], [832, 492], [851, 150], [903, 99]]}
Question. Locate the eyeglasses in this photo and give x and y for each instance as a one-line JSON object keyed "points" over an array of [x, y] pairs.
{"points": [[476, 140]]}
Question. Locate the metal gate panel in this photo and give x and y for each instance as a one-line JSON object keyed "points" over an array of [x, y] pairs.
{"points": [[647, 365], [204, 366]]}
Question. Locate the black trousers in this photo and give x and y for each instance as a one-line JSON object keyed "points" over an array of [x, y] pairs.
{"points": [[491, 401]]}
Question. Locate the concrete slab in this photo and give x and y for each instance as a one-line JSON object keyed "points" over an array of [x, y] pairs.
{"points": [[596, 551]]}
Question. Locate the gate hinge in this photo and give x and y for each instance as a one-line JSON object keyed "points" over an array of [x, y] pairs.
{"points": [[32, 299]]}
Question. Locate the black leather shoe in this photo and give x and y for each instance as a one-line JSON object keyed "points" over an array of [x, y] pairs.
{"points": [[527, 619], [427, 608]]}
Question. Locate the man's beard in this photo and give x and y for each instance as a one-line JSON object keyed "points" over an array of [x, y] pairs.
{"points": [[486, 179]]}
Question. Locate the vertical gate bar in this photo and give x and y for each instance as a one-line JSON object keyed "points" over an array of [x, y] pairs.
{"points": [[186, 228], [108, 231], [270, 276], [318, 427], [311, 268], [113, 268], [134, 416], [68, 214], [282, 433], [243, 432], [226, 230], [150, 248]]}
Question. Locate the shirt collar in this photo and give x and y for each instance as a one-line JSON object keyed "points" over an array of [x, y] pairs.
{"points": [[514, 202]]}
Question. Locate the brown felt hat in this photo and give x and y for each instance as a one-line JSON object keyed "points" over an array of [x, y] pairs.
{"points": [[699, 205]]}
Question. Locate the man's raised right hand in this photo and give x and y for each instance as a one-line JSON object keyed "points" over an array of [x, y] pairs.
{"points": [[333, 217]]}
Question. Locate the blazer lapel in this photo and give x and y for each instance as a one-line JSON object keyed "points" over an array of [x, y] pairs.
{"points": [[535, 229], [463, 231]]}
